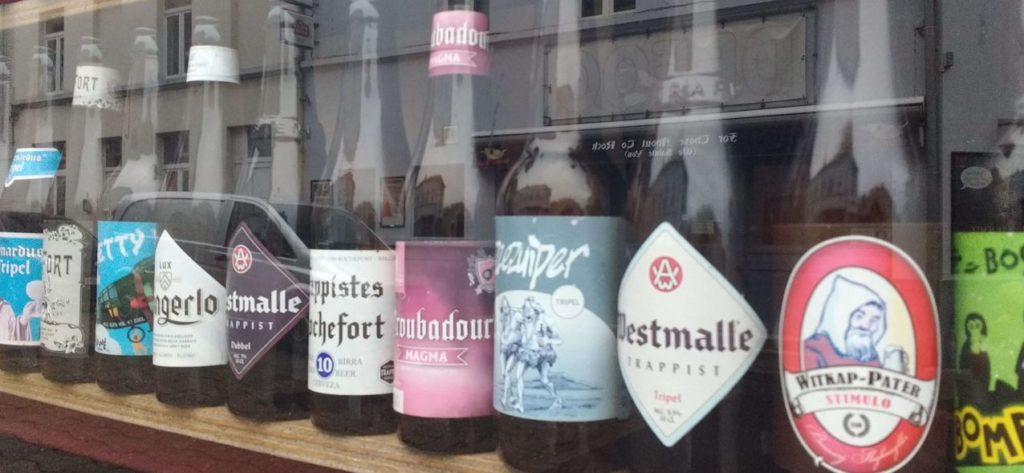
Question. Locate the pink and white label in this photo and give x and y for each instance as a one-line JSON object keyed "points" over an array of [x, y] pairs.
{"points": [[458, 44], [444, 352]]}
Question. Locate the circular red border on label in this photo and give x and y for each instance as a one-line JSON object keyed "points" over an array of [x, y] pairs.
{"points": [[905, 276], [241, 259], [657, 274]]}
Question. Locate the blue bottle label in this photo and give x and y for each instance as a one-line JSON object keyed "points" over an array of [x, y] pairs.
{"points": [[555, 311], [33, 163], [124, 294], [21, 288]]}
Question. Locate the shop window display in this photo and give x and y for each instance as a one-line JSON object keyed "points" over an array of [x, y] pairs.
{"points": [[550, 235]]}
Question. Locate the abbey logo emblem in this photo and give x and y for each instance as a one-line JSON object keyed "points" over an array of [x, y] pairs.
{"points": [[685, 335], [859, 356], [241, 259]]}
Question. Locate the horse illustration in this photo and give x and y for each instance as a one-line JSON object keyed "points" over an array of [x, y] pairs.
{"points": [[528, 342]]}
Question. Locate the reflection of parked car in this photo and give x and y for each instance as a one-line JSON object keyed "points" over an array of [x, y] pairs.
{"points": [[202, 224]]}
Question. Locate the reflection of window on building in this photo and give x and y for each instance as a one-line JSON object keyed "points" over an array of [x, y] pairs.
{"points": [[251, 150], [590, 8], [177, 36], [111, 157], [57, 199], [53, 40], [173, 149]]}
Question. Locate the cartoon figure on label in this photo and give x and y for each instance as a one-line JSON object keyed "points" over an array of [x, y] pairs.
{"points": [[19, 328], [852, 324], [974, 361], [527, 342]]}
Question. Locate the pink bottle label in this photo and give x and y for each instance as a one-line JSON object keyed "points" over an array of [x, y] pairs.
{"points": [[444, 348], [458, 44]]}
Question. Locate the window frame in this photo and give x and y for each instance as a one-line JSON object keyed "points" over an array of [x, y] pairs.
{"points": [[183, 40], [55, 84], [181, 168], [606, 8]]}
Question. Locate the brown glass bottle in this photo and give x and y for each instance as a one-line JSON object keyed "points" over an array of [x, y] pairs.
{"points": [[91, 107], [196, 386], [369, 145], [272, 386], [23, 203], [450, 197], [536, 185]]}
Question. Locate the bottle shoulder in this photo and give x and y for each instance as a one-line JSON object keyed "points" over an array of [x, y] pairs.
{"points": [[555, 179]]}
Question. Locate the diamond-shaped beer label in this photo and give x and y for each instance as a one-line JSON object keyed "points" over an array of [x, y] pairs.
{"points": [[264, 301], [686, 336]]}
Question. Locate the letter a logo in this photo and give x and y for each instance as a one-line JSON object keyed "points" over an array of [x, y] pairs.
{"points": [[666, 274]]}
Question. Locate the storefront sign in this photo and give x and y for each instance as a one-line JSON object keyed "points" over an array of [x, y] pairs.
{"points": [[760, 61], [989, 331], [686, 336], [298, 30], [859, 354], [124, 288]]}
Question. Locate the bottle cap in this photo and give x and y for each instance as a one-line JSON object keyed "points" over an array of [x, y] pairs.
{"points": [[212, 64]]}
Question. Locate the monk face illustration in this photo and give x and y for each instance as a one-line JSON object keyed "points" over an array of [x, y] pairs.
{"points": [[865, 324]]}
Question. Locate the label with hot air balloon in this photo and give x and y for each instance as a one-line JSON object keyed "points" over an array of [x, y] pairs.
{"points": [[124, 288]]}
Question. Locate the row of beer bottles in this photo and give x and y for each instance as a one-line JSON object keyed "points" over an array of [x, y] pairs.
{"points": [[448, 196]]}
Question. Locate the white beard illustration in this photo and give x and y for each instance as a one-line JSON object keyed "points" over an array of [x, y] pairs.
{"points": [[859, 345]]}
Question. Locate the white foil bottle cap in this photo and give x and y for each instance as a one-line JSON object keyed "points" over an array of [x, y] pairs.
{"points": [[212, 64]]}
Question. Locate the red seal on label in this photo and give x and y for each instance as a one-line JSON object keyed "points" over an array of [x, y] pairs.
{"points": [[666, 274], [241, 259], [859, 355]]}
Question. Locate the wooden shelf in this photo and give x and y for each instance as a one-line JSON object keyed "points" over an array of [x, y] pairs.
{"points": [[295, 440]]}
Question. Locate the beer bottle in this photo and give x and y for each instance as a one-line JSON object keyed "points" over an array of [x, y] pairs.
{"points": [[555, 327], [444, 404], [119, 301], [23, 206], [351, 342], [189, 352], [267, 346]]}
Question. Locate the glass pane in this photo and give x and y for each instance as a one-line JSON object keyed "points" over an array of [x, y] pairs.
{"points": [[624, 5], [173, 44], [591, 7]]}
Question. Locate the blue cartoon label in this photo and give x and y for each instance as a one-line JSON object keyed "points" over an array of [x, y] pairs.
{"points": [[21, 288], [33, 163], [555, 312], [124, 261]]}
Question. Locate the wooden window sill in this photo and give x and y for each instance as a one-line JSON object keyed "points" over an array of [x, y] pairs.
{"points": [[294, 440]]}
